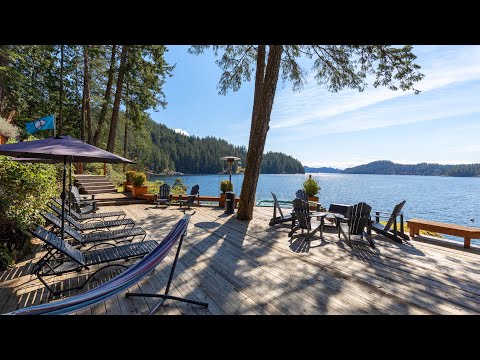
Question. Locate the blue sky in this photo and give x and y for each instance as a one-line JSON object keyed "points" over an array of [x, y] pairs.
{"points": [[342, 129]]}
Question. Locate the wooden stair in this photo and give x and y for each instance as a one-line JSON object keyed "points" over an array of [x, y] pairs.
{"points": [[94, 184]]}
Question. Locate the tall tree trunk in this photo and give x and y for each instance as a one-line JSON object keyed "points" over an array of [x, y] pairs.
{"points": [[60, 107], [78, 113], [84, 101], [125, 139], [116, 104], [86, 87], [106, 99], [3, 62], [266, 80]]}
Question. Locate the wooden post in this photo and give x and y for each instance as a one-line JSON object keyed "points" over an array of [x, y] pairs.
{"points": [[412, 231], [466, 243], [105, 169]]}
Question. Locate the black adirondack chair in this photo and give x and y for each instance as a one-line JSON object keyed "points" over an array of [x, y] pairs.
{"points": [[278, 219], [80, 205], [62, 258], [357, 219], [390, 228], [194, 194], [301, 194], [303, 219], [164, 196]]}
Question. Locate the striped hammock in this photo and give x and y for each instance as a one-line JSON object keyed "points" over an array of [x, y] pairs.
{"points": [[114, 286]]}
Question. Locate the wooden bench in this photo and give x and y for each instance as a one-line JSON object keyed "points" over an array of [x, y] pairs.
{"points": [[466, 232], [152, 198]]}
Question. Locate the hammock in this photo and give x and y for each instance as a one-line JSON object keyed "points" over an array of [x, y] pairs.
{"points": [[116, 285]]}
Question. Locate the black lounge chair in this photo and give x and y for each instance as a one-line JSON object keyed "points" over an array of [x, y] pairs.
{"points": [[98, 236], [80, 205], [387, 230], [303, 219], [357, 219], [62, 258], [96, 225], [278, 219], [98, 216], [194, 194], [164, 196]]}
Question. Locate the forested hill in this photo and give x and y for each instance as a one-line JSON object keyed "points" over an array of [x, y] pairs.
{"points": [[389, 168], [172, 151]]}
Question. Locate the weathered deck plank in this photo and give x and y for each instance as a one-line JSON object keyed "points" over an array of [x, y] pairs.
{"points": [[252, 268]]}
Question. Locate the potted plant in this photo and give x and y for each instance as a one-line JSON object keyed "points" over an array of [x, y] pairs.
{"points": [[129, 176], [311, 187], [225, 186], [138, 187]]}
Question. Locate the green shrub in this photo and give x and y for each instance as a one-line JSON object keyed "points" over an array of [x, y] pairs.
{"points": [[225, 186], [154, 187], [139, 179], [311, 186], [129, 175], [178, 187], [6, 259], [25, 190]]}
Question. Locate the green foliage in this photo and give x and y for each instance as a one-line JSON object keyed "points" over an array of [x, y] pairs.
{"points": [[6, 258], [385, 167], [178, 187], [139, 179], [129, 175], [225, 186], [154, 187], [280, 163], [311, 187], [335, 66], [25, 190]]}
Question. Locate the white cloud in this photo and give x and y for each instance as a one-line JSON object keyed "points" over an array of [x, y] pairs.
{"points": [[181, 131], [315, 110]]}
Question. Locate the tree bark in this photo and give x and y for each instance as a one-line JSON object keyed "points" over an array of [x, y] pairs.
{"points": [[266, 80], [106, 99], [79, 116], [86, 87], [60, 107], [116, 104], [125, 139], [84, 102]]}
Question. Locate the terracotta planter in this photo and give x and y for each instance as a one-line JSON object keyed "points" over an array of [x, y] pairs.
{"points": [[314, 199], [139, 190], [125, 183], [221, 203]]}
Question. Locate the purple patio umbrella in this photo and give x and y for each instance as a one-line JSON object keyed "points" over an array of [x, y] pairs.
{"points": [[61, 149]]}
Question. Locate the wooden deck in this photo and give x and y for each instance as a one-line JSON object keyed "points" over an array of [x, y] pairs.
{"points": [[252, 268]]}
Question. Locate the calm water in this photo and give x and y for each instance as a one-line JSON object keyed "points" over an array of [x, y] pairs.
{"points": [[448, 199]]}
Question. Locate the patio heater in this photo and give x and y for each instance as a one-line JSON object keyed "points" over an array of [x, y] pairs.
{"points": [[230, 195]]}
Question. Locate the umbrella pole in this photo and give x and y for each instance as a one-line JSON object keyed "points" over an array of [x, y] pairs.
{"points": [[70, 187], [64, 195]]}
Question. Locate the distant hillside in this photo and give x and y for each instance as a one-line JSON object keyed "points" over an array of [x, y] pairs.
{"points": [[163, 149], [309, 169], [386, 167]]}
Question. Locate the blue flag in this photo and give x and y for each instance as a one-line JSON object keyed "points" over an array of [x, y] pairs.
{"points": [[45, 123]]}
